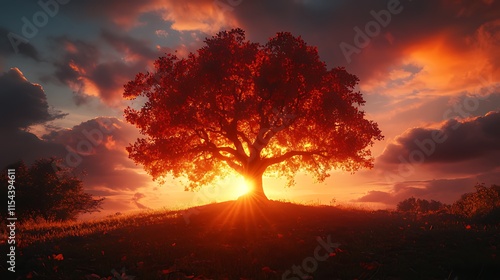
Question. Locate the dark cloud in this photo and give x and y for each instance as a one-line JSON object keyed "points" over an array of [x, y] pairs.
{"points": [[17, 145], [22, 103], [97, 148], [129, 45], [461, 153], [112, 10], [11, 42], [91, 72], [417, 22], [76, 55], [454, 141]]}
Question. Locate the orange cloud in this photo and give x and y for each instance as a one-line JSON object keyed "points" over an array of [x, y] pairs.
{"points": [[204, 15], [208, 16], [448, 65], [110, 144]]}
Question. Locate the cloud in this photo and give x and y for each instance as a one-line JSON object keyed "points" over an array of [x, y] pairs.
{"points": [[132, 48], [446, 64], [203, 15], [17, 145], [22, 103], [90, 72], [440, 162], [444, 190], [97, 147], [451, 40], [454, 141], [448, 55], [7, 38], [113, 10]]}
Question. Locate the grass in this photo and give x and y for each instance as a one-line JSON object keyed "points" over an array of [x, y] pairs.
{"points": [[234, 240]]}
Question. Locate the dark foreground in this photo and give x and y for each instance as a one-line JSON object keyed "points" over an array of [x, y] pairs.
{"points": [[234, 240]]}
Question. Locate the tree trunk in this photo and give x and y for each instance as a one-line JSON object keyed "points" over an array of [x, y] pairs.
{"points": [[253, 174], [257, 189]]}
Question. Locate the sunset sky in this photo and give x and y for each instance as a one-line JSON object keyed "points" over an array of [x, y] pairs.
{"points": [[429, 72]]}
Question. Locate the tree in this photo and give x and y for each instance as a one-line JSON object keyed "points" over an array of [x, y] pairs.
{"points": [[407, 205], [46, 191], [480, 204], [251, 107], [420, 205]]}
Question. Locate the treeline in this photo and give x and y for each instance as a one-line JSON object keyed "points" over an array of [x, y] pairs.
{"points": [[483, 204]]}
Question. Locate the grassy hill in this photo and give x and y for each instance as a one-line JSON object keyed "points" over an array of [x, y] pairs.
{"points": [[238, 240]]}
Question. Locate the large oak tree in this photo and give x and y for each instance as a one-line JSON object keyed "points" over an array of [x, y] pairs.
{"points": [[251, 107]]}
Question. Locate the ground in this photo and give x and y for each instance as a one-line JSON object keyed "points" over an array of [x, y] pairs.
{"points": [[276, 240]]}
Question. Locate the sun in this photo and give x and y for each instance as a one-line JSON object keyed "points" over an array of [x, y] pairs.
{"points": [[241, 187]]}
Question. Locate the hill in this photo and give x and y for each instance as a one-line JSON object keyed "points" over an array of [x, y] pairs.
{"points": [[239, 240]]}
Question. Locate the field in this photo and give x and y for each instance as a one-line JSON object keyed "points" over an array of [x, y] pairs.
{"points": [[237, 240]]}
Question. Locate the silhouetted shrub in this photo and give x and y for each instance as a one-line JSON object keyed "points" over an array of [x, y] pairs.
{"points": [[420, 205], [482, 204], [46, 191]]}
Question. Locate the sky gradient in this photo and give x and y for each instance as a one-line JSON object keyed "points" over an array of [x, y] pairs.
{"points": [[429, 71]]}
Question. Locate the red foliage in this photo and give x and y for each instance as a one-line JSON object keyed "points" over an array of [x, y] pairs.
{"points": [[251, 107]]}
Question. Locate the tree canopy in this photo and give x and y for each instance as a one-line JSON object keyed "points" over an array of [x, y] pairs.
{"points": [[251, 107], [44, 190]]}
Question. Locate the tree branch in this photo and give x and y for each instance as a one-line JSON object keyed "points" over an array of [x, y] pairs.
{"points": [[230, 161], [290, 154], [232, 134]]}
